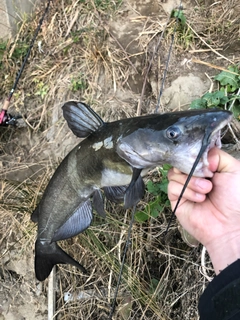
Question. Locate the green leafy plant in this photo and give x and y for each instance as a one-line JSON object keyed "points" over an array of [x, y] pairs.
{"points": [[178, 13], [227, 97], [107, 4], [184, 35], [78, 83], [42, 89], [3, 46], [160, 200], [18, 53], [229, 81], [210, 100]]}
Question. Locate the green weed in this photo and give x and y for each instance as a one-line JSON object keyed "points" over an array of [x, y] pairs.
{"points": [[78, 83], [227, 97], [183, 34], [179, 15], [42, 89], [18, 53], [103, 5], [3, 47], [107, 4], [160, 200]]}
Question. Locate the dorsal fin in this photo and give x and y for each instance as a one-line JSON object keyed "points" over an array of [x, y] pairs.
{"points": [[81, 119]]}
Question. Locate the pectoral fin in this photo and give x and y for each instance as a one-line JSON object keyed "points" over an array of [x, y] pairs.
{"points": [[115, 194], [135, 190], [98, 203], [77, 223], [81, 119]]}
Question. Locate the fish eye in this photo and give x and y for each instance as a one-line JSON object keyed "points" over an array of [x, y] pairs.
{"points": [[173, 132]]}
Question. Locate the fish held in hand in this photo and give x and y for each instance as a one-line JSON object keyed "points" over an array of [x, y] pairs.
{"points": [[113, 157]]}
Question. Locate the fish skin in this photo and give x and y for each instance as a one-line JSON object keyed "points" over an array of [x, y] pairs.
{"points": [[107, 158]]}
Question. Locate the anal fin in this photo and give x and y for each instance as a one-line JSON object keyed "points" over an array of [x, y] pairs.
{"points": [[77, 223]]}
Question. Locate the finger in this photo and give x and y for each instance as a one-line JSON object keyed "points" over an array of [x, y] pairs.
{"points": [[199, 185], [176, 170], [175, 188], [221, 161]]}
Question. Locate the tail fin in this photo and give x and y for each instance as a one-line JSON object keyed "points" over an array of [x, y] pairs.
{"points": [[47, 255], [81, 119]]}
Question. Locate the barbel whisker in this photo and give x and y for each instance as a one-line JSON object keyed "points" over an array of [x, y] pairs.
{"points": [[134, 208]]}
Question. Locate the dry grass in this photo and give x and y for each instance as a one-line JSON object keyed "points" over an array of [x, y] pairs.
{"points": [[83, 59]]}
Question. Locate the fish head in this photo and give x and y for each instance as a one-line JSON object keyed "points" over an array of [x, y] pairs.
{"points": [[174, 138]]}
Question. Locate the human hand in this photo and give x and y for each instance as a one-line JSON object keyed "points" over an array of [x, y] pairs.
{"points": [[210, 209]]}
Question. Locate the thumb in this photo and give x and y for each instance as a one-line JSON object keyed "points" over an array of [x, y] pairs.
{"points": [[221, 161]]}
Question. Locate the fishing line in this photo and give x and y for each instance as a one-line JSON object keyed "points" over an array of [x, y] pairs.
{"points": [[168, 58], [134, 208], [128, 242], [29, 50], [150, 66], [206, 136], [6, 119], [205, 143]]}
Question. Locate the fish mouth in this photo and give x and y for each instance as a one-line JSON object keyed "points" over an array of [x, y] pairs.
{"points": [[214, 141]]}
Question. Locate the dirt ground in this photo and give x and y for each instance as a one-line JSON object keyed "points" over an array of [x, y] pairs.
{"points": [[117, 58]]}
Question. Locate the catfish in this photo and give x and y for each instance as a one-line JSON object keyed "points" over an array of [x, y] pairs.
{"points": [[113, 158]]}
